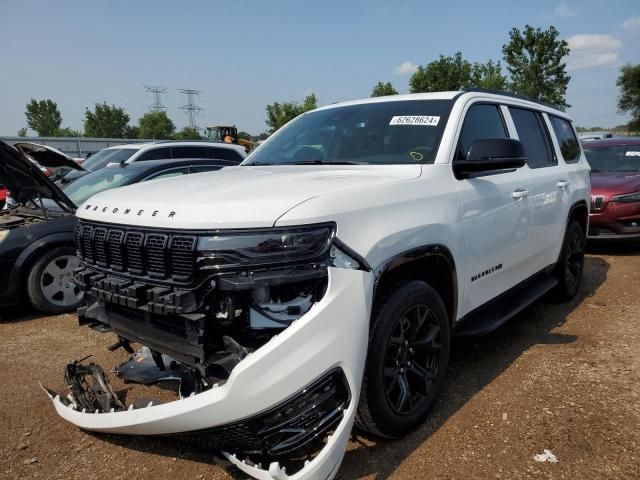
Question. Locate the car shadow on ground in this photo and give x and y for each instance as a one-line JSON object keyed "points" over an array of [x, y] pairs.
{"points": [[22, 313], [475, 363]]}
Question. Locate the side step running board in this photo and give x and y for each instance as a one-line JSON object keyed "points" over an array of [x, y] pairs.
{"points": [[490, 316]]}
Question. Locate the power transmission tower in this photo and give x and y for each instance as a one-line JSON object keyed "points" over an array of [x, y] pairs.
{"points": [[157, 98], [191, 109]]}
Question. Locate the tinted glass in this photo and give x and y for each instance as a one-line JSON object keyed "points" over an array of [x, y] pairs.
{"points": [[204, 168], [567, 140], [156, 154], [95, 182], [104, 157], [481, 121], [533, 136], [224, 154], [396, 132], [189, 152], [169, 173], [624, 158]]}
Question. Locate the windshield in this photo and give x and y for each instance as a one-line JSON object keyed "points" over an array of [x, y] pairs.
{"points": [[104, 157], [622, 158], [95, 182], [395, 132]]}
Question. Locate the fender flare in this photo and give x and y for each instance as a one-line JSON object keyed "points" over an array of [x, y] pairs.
{"points": [[420, 253]]}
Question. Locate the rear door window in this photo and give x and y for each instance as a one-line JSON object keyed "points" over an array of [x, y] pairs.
{"points": [[224, 154], [569, 146], [534, 137], [155, 154], [189, 152], [481, 121]]}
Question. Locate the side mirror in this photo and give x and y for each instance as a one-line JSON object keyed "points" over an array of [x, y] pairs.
{"points": [[490, 155]]}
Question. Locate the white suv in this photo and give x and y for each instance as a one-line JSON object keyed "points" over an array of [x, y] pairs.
{"points": [[320, 282], [161, 150]]}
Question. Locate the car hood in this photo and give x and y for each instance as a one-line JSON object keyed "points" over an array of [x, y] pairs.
{"points": [[47, 156], [234, 197], [26, 182], [614, 183]]}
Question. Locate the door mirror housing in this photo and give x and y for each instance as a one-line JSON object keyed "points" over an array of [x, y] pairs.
{"points": [[491, 155]]}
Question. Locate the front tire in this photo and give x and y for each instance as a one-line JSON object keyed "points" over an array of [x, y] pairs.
{"points": [[407, 360], [50, 284], [568, 270]]}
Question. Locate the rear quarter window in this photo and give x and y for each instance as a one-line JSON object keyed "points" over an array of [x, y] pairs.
{"points": [[569, 146], [225, 154]]}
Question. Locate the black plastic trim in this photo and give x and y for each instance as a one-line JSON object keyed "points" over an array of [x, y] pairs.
{"points": [[420, 253]]}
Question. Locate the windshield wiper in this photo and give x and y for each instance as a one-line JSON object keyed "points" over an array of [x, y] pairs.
{"points": [[322, 162]]}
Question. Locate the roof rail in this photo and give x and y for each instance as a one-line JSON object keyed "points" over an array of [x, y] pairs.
{"points": [[513, 95], [203, 140]]}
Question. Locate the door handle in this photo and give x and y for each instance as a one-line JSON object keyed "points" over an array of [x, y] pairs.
{"points": [[520, 193], [563, 183]]}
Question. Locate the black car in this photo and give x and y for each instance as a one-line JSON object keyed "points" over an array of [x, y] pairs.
{"points": [[37, 256]]}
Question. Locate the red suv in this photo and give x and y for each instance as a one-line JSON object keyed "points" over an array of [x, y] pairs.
{"points": [[615, 188]]}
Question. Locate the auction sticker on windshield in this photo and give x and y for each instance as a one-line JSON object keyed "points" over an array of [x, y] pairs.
{"points": [[425, 120]]}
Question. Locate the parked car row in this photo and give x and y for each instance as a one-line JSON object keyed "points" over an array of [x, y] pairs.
{"points": [[367, 234], [37, 255]]}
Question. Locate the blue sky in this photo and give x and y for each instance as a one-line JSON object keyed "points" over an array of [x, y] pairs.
{"points": [[245, 54]]}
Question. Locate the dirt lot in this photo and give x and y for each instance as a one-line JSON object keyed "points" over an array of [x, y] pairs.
{"points": [[563, 377]]}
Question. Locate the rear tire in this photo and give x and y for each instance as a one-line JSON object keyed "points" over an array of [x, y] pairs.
{"points": [[50, 285], [407, 360], [568, 270]]}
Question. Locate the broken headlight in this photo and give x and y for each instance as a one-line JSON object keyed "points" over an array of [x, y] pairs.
{"points": [[266, 246]]}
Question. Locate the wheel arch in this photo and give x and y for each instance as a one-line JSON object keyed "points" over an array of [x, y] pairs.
{"points": [[431, 263], [30, 254], [579, 211]]}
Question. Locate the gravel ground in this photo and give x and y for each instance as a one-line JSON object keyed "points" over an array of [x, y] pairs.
{"points": [[562, 377]]}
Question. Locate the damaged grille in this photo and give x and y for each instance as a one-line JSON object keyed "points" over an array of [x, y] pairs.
{"points": [[138, 251]]}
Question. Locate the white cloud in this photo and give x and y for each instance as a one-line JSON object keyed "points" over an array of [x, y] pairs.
{"points": [[563, 10], [632, 24], [406, 68], [592, 50]]}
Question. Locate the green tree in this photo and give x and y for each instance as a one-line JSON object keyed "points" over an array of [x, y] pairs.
{"points": [[66, 132], [245, 136], [456, 73], [22, 132], [132, 131], [488, 75], [263, 136], [156, 125], [535, 66], [105, 121], [188, 133], [383, 89], [279, 114], [629, 100], [446, 73], [43, 116]]}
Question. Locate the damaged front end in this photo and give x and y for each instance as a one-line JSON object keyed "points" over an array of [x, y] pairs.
{"points": [[264, 332]]}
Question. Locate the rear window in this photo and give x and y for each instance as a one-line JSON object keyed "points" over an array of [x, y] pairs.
{"points": [[569, 146], [224, 154], [189, 152]]}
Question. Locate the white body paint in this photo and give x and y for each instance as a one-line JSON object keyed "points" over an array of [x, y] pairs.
{"points": [[380, 212]]}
